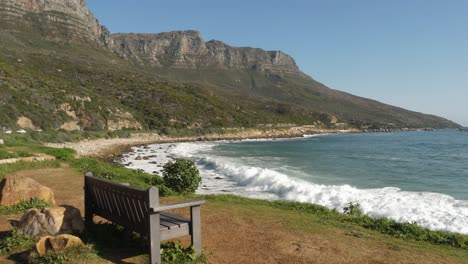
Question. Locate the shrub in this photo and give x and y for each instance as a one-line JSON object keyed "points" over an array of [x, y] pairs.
{"points": [[181, 176], [353, 209], [174, 253]]}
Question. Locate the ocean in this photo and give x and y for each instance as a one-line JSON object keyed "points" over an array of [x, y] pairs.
{"points": [[419, 177]]}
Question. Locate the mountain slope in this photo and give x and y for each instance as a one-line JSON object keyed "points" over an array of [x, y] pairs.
{"points": [[59, 68]]}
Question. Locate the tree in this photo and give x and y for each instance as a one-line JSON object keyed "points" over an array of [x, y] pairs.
{"points": [[181, 176]]}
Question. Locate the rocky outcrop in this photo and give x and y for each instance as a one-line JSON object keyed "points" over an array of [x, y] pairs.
{"points": [[51, 221], [15, 189], [70, 126], [25, 122], [187, 49], [122, 120], [73, 15], [57, 244]]}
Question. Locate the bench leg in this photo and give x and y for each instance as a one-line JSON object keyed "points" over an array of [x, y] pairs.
{"points": [[155, 239], [196, 229], [88, 210]]}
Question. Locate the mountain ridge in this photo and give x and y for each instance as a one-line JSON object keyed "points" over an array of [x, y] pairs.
{"points": [[65, 48], [188, 49]]}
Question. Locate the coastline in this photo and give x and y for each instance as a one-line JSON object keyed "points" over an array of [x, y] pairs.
{"points": [[142, 155], [109, 149]]}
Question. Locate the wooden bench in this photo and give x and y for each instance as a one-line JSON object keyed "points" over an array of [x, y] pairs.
{"points": [[139, 211]]}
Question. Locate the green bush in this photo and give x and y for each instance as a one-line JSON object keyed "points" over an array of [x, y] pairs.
{"points": [[174, 253], [181, 176]]}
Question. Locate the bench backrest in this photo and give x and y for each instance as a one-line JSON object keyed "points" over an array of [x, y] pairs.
{"points": [[123, 205]]}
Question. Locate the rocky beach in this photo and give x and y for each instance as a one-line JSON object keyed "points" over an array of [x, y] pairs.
{"points": [[110, 148]]}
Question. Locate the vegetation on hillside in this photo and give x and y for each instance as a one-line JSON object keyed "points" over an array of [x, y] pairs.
{"points": [[70, 85]]}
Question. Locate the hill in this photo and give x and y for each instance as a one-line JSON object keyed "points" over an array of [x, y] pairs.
{"points": [[59, 68]]}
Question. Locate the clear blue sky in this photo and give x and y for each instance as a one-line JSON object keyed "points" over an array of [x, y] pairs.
{"points": [[409, 53]]}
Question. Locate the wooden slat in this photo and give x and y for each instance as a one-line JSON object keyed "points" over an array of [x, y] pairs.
{"points": [[174, 222], [122, 221], [105, 194], [100, 204], [175, 217], [135, 209], [141, 212], [123, 205], [171, 223], [164, 224], [117, 207], [132, 214]]}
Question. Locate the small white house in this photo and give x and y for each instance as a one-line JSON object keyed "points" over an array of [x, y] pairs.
{"points": [[21, 131], [8, 132]]}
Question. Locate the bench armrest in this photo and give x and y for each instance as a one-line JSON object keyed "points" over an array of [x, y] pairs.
{"points": [[166, 207]]}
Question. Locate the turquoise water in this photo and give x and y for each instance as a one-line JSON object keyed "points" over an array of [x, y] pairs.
{"points": [[419, 177], [412, 161]]}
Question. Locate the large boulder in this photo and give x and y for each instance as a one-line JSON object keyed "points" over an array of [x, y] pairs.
{"points": [[15, 188], [51, 221], [57, 244]]}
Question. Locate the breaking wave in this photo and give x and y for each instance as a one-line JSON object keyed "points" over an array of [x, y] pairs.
{"points": [[430, 210]]}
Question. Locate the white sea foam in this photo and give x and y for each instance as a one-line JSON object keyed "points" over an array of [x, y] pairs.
{"points": [[220, 174], [316, 135]]}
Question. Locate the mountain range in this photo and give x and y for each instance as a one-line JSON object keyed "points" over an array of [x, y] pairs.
{"points": [[61, 69]]}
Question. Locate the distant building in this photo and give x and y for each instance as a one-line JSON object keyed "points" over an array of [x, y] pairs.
{"points": [[21, 131]]}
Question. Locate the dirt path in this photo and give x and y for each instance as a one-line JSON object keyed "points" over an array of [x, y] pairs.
{"points": [[236, 233]]}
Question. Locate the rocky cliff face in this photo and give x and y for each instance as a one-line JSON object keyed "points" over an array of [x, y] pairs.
{"points": [[187, 49], [69, 18]]}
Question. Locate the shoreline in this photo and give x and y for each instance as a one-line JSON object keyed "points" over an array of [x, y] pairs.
{"points": [[154, 157], [223, 175], [109, 149]]}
